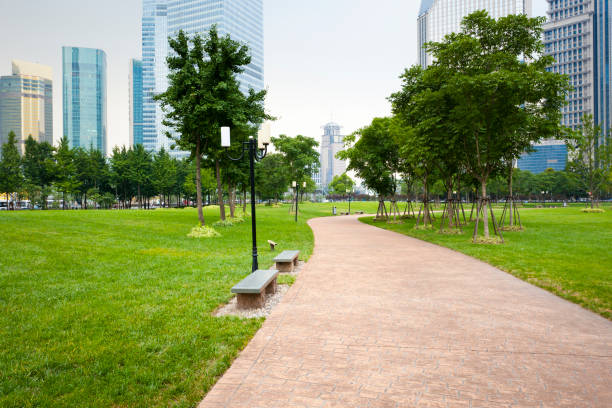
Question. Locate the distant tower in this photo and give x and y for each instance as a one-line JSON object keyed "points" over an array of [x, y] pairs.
{"points": [[26, 103], [331, 143], [438, 18], [135, 79], [84, 94]]}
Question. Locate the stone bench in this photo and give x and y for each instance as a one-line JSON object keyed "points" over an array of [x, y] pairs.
{"points": [[359, 212], [252, 290], [287, 260]]}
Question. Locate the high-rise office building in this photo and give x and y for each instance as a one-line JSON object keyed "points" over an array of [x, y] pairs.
{"points": [[438, 18], [135, 79], [26, 103], [568, 37], [154, 71], [241, 19], [84, 97], [577, 35], [331, 143]]}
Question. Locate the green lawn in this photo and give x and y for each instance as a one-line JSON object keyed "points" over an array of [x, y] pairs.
{"points": [[113, 308], [562, 250]]}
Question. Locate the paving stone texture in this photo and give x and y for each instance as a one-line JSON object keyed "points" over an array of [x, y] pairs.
{"points": [[377, 319]]}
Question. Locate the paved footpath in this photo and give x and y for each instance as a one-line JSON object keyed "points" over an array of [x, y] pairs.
{"points": [[377, 319]]}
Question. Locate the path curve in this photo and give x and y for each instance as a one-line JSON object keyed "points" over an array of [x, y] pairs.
{"points": [[378, 319]]}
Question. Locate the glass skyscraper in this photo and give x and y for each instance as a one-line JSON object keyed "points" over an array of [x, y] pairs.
{"points": [[135, 78], [154, 71], [26, 103], [438, 18], [241, 19], [84, 97]]}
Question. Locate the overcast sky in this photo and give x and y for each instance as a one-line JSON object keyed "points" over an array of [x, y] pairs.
{"points": [[324, 59]]}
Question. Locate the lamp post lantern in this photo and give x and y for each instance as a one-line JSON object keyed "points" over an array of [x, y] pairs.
{"points": [[257, 150]]}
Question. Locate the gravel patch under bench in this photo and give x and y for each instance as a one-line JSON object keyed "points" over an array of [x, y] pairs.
{"points": [[231, 308]]}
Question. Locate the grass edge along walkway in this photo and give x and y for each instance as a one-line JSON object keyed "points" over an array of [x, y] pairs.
{"points": [[561, 250]]}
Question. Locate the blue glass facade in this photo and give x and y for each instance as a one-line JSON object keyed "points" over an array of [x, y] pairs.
{"points": [[84, 97], [154, 71], [241, 19], [136, 102], [550, 156]]}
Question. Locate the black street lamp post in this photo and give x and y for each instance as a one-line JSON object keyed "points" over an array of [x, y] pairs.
{"points": [[255, 152]]}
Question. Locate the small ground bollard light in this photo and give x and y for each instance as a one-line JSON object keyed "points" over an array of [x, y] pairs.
{"points": [[257, 150]]}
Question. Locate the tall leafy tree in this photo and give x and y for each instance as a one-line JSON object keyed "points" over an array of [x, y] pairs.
{"points": [[120, 176], [300, 156], [66, 180], [204, 95], [140, 168], [500, 96], [164, 174], [592, 159], [272, 178], [11, 176], [341, 185], [374, 156], [39, 168]]}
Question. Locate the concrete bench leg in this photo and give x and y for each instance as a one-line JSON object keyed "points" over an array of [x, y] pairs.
{"points": [[271, 288], [251, 300], [295, 261], [284, 266]]}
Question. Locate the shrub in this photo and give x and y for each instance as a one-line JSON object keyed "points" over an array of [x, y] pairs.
{"points": [[203, 232], [593, 210]]}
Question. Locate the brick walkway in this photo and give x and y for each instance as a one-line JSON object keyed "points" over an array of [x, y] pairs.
{"points": [[378, 319]]}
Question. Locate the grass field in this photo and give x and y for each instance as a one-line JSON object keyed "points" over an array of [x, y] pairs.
{"points": [[112, 308], [561, 250]]}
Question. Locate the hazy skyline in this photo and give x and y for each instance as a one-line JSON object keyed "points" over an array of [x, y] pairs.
{"points": [[324, 59]]}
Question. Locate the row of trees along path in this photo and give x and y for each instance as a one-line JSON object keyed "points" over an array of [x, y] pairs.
{"points": [[485, 99]]}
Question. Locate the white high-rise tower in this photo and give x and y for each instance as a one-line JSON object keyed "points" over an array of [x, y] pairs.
{"points": [[438, 18]]}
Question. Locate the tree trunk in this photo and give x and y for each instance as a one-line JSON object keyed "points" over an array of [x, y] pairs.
{"points": [[485, 217], [232, 201], [199, 183], [220, 190], [510, 196], [426, 218], [244, 206]]}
